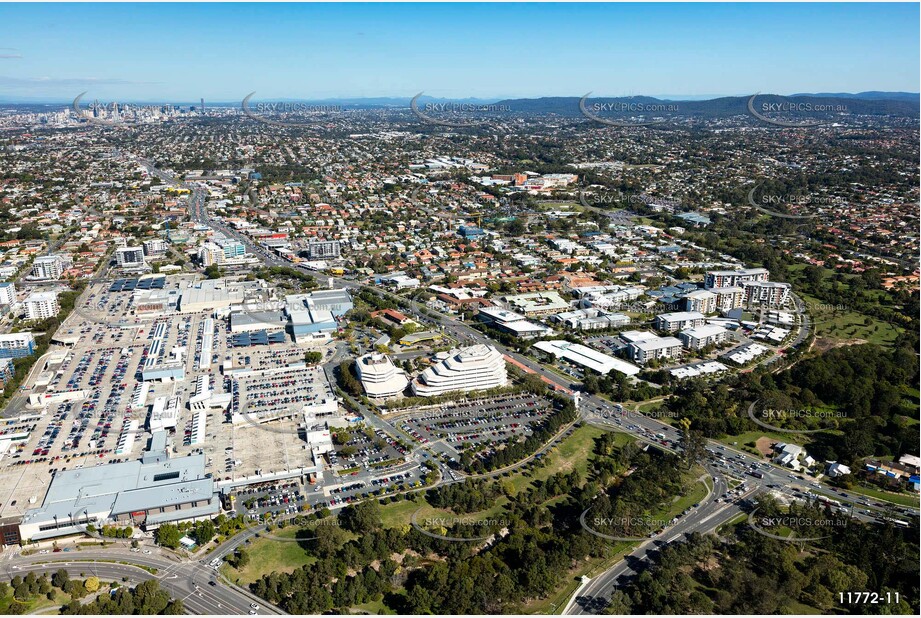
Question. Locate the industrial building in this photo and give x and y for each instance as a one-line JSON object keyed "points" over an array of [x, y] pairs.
{"points": [[586, 357], [147, 492], [314, 316]]}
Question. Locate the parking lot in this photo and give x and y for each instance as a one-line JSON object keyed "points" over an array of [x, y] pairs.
{"points": [[478, 427], [107, 346]]}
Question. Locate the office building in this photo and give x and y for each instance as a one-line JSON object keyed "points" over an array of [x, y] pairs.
{"points": [[380, 377], [475, 368], [130, 258], [537, 304], [16, 345], [41, 305], [513, 323]]}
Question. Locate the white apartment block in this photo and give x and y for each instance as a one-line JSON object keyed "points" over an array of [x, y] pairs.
{"points": [[766, 293], [157, 246], [728, 298], [673, 322], [702, 301], [475, 368], [130, 257], [7, 293], [729, 278], [702, 336], [48, 267], [654, 348], [41, 305]]}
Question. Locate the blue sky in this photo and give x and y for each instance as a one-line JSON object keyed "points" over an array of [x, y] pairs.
{"points": [[181, 52]]}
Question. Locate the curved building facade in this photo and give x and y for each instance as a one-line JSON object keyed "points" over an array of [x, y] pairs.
{"points": [[476, 368], [380, 377]]}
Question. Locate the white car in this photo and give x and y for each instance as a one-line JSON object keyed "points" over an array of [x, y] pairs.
{"points": [[253, 606]]}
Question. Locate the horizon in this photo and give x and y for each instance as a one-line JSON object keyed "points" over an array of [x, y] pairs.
{"points": [[172, 52]]}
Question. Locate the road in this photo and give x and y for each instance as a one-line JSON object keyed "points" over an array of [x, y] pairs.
{"points": [[188, 581]]}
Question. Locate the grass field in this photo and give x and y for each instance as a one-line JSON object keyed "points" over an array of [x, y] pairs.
{"points": [[840, 323], [267, 555], [37, 603], [901, 499]]}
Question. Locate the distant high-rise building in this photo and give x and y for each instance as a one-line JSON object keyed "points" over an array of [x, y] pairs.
{"points": [[203, 105]]}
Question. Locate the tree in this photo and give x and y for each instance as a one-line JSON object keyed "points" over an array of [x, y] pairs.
{"points": [[60, 578], [91, 584], [204, 531], [167, 535], [214, 272], [361, 518], [313, 357]]}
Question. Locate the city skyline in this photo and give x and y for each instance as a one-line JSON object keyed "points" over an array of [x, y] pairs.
{"points": [[356, 51]]}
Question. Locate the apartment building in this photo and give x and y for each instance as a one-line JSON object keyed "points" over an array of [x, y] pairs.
{"points": [[41, 305], [654, 348], [728, 298], [702, 336], [130, 257], [680, 320], [7, 293], [730, 278], [48, 267], [701, 301], [16, 345], [766, 293], [323, 249]]}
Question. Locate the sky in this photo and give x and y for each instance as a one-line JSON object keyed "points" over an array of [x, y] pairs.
{"points": [[222, 52]]}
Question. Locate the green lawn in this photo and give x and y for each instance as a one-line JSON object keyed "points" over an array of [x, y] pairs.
{"points": [[843, 324], [267, 555], [37, 602]]}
